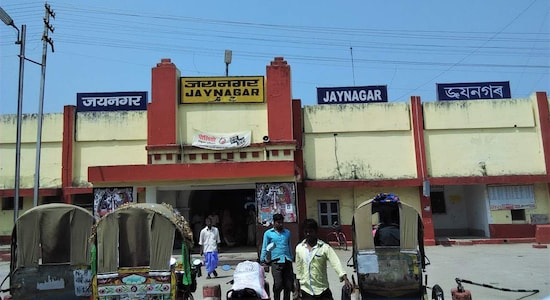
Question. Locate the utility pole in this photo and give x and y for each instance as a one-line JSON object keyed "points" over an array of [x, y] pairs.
{"points": [[352, 65], [21, 37], [46, 40]]}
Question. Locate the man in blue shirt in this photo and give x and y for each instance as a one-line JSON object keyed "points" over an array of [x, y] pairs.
{"points": [[281, 258]]}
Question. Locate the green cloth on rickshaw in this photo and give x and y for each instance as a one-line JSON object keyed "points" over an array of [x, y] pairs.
{"points": [[186, 280]]}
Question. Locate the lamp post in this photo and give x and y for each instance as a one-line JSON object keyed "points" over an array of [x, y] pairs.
{"points": [[21, 36], [227, 59]]}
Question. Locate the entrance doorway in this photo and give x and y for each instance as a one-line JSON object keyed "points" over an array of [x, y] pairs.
{"points": [[231, 208]]}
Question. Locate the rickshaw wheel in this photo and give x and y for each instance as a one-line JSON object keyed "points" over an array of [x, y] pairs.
{"points": [[437, 292]]}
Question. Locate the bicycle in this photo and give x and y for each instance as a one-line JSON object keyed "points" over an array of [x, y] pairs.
{"points": [[337, 238]]}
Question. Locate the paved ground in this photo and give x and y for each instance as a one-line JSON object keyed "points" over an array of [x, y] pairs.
{"points": [[509, 266]]}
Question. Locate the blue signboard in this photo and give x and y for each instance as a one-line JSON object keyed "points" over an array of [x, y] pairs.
{"points": [[352, 94], [114, 101], [474, 90]]}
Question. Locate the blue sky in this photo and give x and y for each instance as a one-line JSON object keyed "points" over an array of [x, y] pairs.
{"points": [[111, 46]]}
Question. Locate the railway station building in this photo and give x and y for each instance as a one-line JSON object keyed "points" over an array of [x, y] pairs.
{"points": [[476, 168]]}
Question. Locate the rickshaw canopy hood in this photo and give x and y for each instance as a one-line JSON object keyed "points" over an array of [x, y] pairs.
{"points": [[409, 220], [42, 232], [138, 229]]}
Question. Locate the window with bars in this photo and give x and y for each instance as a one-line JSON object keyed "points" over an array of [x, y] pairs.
{"points": [[329, 212]]}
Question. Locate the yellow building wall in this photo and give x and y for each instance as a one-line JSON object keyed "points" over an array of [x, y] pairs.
{"points": [[358, 141], [108, 138], [222, 118], [350, 198], [50, 153], [6, 216], [483, 138]]}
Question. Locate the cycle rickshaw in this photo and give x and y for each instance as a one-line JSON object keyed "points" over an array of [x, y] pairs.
{"points": [[50, 257], [132, 252], [393, 270]]}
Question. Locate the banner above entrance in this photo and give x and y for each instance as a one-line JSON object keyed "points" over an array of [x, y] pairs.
{"points": [[221, 141], [239, 89]]}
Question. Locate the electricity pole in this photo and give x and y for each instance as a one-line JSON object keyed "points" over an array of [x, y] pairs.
{"points": [[46, 40]]}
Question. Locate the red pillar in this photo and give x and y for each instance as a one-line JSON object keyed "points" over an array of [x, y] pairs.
{"points": [[422, 168], [279, 100], [544, 121], [69, 113], [162, 111], [299, 164]]}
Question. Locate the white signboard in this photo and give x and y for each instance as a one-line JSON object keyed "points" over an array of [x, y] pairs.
{"points": [[82, 282], [221, 141]]}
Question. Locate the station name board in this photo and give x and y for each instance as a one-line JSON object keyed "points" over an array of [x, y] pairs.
{"points": [[474, 90], [115, 101], [352, 94], [237, 89]]}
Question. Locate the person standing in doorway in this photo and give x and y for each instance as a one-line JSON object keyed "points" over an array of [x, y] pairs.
{"points": [[209, 240], [214, 218], [251, 225], [198, 224], [312, 256], [281, 257]]}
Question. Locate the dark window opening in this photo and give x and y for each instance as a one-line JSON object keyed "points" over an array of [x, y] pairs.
{"points": [[51, 199], [8, 203], [518, 214], [84, 200], [438, 202]]}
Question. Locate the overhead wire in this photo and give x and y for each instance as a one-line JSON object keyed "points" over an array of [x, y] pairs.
{"points": [[139, 28], [459, 62], [140, 31]]}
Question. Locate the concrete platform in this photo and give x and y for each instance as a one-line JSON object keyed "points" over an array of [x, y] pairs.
{"points": [[233, 255], [510, 266]]}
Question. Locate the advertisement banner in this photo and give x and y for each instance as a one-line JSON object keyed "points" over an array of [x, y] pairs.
{"points": [[352, 94], [116, 101], [236, 89], [108, 199], [473, 91], [509, 197], [273, 198], [221, 141]]}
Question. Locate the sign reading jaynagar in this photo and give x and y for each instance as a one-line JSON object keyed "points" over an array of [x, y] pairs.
{"points": [[352, 94], [111, 101], [222, 89], [474, 90]]}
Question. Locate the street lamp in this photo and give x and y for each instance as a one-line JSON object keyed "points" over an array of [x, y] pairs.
{"points": [[21, 36], [227, 59]]}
